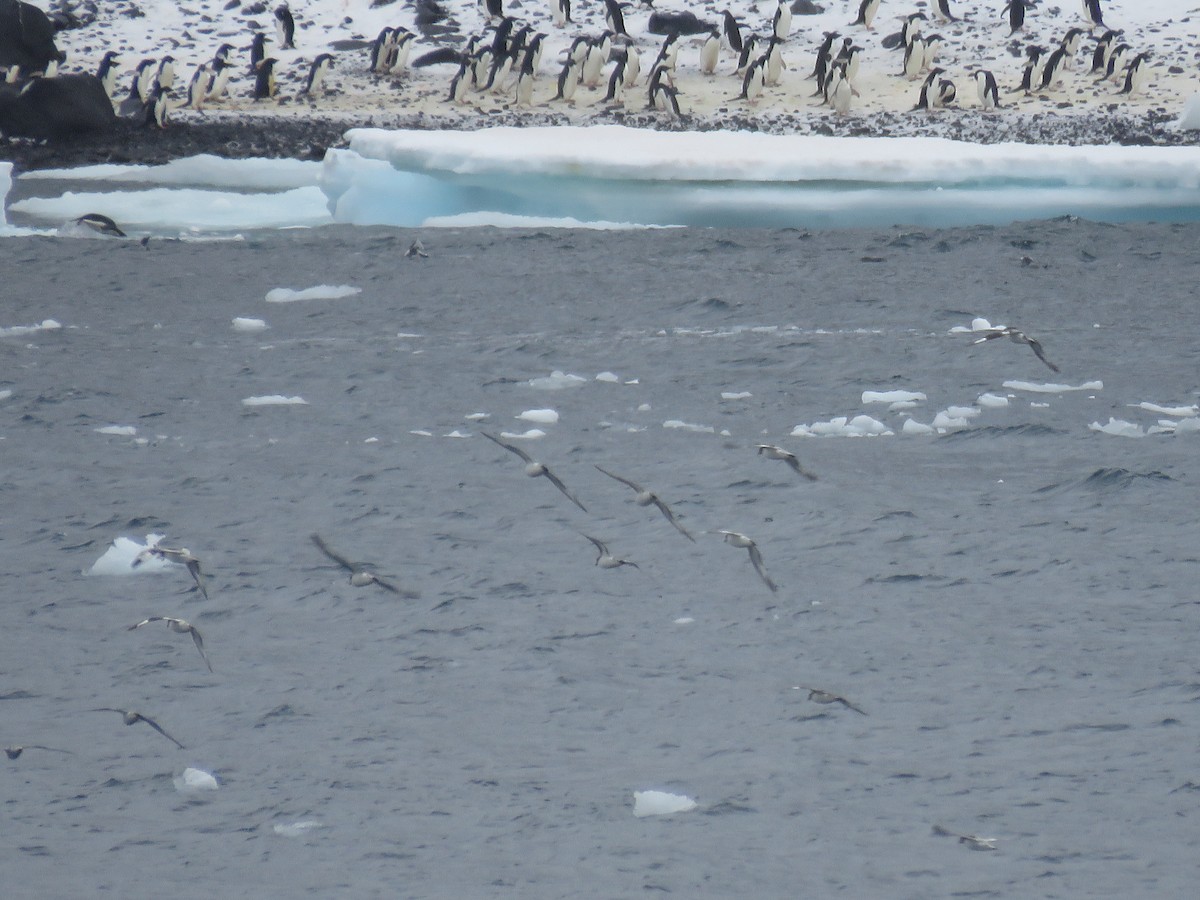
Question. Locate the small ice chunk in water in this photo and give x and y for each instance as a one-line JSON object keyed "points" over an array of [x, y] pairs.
{"points": [[1181, 411], [736, 395], [274, 400], [118, 558], [688, 426], [319, 292], [660, 803], [911, 426], [531, 435], [476, 417], [962, 412], [15, 330], [608, 377], [5, 394], [297, 829], [119, 430], [556, 381], [893, 396], [1119, 427], [992, 401], [194, 781], [540, 416], [244, 324]]}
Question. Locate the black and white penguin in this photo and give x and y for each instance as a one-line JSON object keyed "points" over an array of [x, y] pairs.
{"points": [[525, 83], [460, 84], [614, 18], [1117, 62], [379, 50], [1070, 44], [1093, 13], [773, 64], [616, 83], [752, 83], [258, 51], [502, 67], [946, 92], [839, 90], [1137, 73], [748, 55], [668, 53], [1052, 69], [110, 65], [1031, 72], [100, 224], [732, 31], [710, 53], [568, 80], [781, 22], [866, 13], [157, 107], [560, 12], [852, 59], [264, 79], [914, 58], [493, 9], [941, 9], [933, 46], [166, 73], [200, 86], [285, 28], [223, 53], [222, 71], [1015, 10], [633, 65], [145, 77], [935, 91], [1103, 51], [400, 49], [593, 63], [985, 86], [662, 93], [911, 29], [316, 75], [824, 57]]}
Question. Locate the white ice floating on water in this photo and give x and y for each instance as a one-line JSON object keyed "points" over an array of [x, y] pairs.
{"points": [[893, 397], [660, 803], [19, 330], [539, 416], [532, 434], [844, 426], [608, 377], [118, 558], [246, 324], [5, 394], [203, 170], [296, 829], [1121, 428], [118, 430], [977, 325], [680, 425], [557, 381], [317, 292], [274, 400], [742, 179], [992, 401], [194, 781], [1037, 387], [1176, 411], [736, 395]]}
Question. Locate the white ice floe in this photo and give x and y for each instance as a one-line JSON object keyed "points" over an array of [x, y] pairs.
{"points": [[1118, 427], [477, 417], [486, 219], [736, 395], [607, 377], [660, 803], [977, 324], [556, 381], [1177, 411], [1035, 387], [540, 416], [681, 425], [893, 397], [911, 426], [18, 330], [203, 170], [274, 400], [297, 829], [195, 781], [118, 558], [843, 426], [946, 420], [5, 394], [532, 434], [319, 292], [118, 430], [992, 401], [241, 323], [1190, 119]]}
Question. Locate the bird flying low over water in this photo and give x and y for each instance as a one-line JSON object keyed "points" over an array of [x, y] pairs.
{"points": [[816, 695], [131, 717], [16, 750], [646, 497], [534, 469], [771, 451], [737, 539], [1019, 337], [604, 558], [179, 626], [974, 841], [183, 556], [360, 576]]}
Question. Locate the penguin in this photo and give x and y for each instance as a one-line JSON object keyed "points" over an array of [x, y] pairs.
{"points": [[781, 22], [914, 58], [593, 64], [130, 106], [616, 83], [946, 92], [223, 53], [1104, 50], [668, 54], [560, 12], [13, 74], [258, 51], [481, 66], [200, 86], [710, 53], [379, 50], [1015, 10], [866, 13], [824, 56], [910, 29], [662, 93], [633, 65], [402, 42], [157, 107], [222, 72], [840, 90], [1070, 44], [749, 47], [525, 83], [733, 34], [166, 73], [852, 61], [1093, 13], [1052, 68], [460, 83], [145, 78], [502, 67], [941, 9], [316, 75], [494, 9], [110, 65], [1116, 62], [752, 83], [928, 96], [285, 28], [568, 80], [614, 19], [501, 35], [985, 85], [101, 224], [264, 79], [774, 65], [578, 50], [1137, 73], [933, 46], [1029, 74]]}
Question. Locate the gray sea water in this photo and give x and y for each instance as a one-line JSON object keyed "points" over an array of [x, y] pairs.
{"points": [[1014, 603]]}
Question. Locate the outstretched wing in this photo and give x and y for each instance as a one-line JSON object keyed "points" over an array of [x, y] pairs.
{"points": [[990, 336], [509, 447], [666, 511], [757, 560], [846, 703], [160, 730], [403, 592], [794, 462], [1037, 351], [336, 557], [199, 642], [601, 547], [625, 481], [193, 566], [554, 480], [145, 622]]}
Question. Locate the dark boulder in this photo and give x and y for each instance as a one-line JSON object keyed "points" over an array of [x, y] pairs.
{"points": [[681, 23], [55, 109], [26, 37]]}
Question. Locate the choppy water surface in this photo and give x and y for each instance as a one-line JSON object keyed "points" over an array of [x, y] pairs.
{"points": [[1012, 602]]}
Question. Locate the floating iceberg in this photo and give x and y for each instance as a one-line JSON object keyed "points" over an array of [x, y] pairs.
{"points": [[660, 803]]}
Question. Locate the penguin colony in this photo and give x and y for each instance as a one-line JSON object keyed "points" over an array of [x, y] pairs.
{"points": [[615, 56]]}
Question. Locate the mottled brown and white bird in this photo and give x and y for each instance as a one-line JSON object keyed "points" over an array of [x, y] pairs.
{"points": [[772, 451], [183, 556], [1019, 337], [360, 575], [737, 539], [535, 469], [131, 717], [647, 497], [816, 695], [179, 626]]}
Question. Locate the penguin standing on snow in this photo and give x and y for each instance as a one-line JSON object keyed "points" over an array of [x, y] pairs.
{"points": [[941, 9], [1052, 70], [1137, 73], [166, 73], [110, 65], [839, 89], [264, 79], [157, 107], [824, 57], [985, 85], [1103, 51], [145, 78], [1093, 13], [914, 58], [616, 83], [1117, 63], [614, 19], [1029, 74], [316, 75], [525, 82], [460, 83], [866, 13], [733, 33], [200, 86], [568, 80], [781, 22], [1070, 43], [258, 51], [560, 10], [752, 82], [773, 64], [285, 28], [222, 72], [1015, 10]]}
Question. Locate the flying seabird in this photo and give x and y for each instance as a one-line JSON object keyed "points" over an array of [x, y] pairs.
{"points": [[816, 695], [646, 497], [974, 841], [416, 249], [771, 451], [179, 626], [604, 559], [183, 556], [15, 751], [737, 539], [1019, 337], [360, 576], [533, 468], [132, 718]]}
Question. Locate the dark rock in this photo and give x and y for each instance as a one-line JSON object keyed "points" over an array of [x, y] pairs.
{"points": [[56, 109], [806, 8], [681, 23], [26, 37]]}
